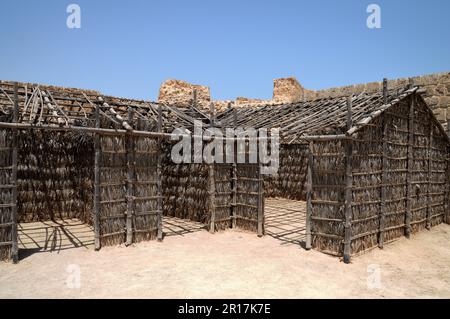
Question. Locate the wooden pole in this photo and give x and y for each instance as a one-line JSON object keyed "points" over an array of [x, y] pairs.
{"points": [[234, 174], [309, 190], [348, 187], [14, 219], [384, 176], [159, 176], [130, 172], [429, 177], [212, 197], [97, 160], [260, 217], [408, 216]]}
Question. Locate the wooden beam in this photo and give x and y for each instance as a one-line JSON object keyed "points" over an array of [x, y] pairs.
{"points": [[129, 145], [348, 188], [159, 177], [14, 219], [97, 160], [309, 190], [410, 190]]}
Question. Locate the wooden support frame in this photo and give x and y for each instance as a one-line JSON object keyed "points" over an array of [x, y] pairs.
{"points": [[130, 177], [309, 191], [348, 188], [160, 234], [14, 217], [410, 190], [97, 160]]}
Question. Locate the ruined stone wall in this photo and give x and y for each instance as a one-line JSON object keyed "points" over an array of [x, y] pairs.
{"points": [[181, 94], [289, 90]]}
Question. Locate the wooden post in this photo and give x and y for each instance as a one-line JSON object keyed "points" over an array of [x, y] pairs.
{"points": [[97, 160], [309, 190], [260, 217], [348, 187], [14, 219], [212, 197], [429, 177], [159, 176], [410, 190], [384, 176], [234, 174], [129, 140]]}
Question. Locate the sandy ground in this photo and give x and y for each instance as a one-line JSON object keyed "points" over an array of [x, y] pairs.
{"points": [[233, 264]]}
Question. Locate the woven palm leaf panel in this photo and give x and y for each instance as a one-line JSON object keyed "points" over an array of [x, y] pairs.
{"points": [[247, 200], [223, 196], [145, 188], [6, 198], [439, 178], [420, 168], [113, 176], [366, 186], [185, 189], [54, 176], [396, 121], [290, 180], [328, 185]]}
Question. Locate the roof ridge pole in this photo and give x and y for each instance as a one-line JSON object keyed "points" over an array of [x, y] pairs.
{"points": [[348, 186], [384, 166]]}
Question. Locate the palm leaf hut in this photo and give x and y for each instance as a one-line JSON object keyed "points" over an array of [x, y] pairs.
{"points": [[373, 167]]}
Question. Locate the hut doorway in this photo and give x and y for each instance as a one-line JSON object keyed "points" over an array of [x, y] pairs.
{"points": [[285, 220], [54, 181]]}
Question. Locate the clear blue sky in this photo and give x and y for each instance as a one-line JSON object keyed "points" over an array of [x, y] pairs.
{"points": [[236, 47]]}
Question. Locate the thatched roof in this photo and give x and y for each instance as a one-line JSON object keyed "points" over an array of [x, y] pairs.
{"points": [[326, 116], [50, 105]]}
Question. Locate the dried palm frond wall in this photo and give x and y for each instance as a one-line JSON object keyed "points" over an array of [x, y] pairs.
{"points": [[328, 178], [219, 195], [130, 197], [54, 176], [399, 180], [290, 180]]}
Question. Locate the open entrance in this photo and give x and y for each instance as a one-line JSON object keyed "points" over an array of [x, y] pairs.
{"points": [[285, 220], [54, 191]]}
